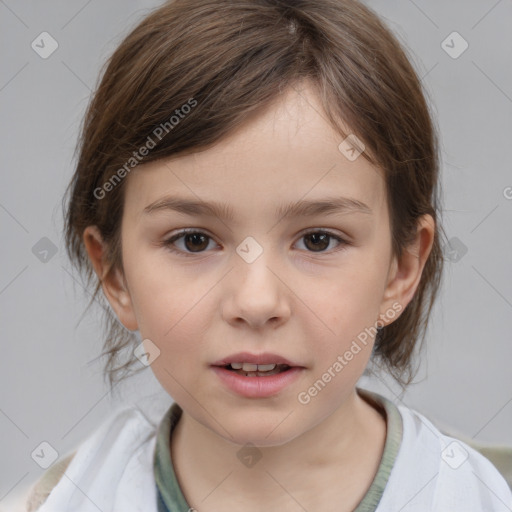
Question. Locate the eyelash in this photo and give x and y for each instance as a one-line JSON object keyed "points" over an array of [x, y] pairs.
{"points": [[169, 242]]}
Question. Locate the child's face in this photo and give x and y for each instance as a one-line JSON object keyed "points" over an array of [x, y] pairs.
{"points": [[305, 299]]}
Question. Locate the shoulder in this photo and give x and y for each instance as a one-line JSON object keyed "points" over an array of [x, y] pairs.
{"points": [[127, 427], [445, 473]]}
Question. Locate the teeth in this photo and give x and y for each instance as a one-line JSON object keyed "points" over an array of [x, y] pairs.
{"points": [[249, 367], [265, 367]]}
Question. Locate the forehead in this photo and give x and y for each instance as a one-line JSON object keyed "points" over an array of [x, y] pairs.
{"points": [[285, 153]]}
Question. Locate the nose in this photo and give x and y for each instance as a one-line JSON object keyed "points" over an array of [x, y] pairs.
{"points": [[257, 294]]}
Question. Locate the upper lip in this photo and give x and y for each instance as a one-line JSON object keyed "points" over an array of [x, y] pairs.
{"points": [[247, 357]]}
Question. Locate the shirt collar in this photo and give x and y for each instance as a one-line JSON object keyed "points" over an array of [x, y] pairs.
{"points": [[170, 496]]}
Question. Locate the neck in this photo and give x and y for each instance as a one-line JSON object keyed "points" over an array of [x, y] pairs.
{"points": [[348, 443]]}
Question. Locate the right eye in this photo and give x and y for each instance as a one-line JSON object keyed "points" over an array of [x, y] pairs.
{"points": [[194, 241]]}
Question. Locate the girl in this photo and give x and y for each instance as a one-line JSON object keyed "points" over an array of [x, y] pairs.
{"points": [[257, 196]]}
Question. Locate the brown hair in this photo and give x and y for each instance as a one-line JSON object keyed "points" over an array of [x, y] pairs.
{"points": [[233, 58]]}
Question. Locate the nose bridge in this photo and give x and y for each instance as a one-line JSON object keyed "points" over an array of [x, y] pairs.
{"points": [[250, 250], [254, 259], [256, 294]]}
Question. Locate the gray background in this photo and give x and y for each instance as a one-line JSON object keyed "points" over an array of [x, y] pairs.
{"points": [[52, 388]]}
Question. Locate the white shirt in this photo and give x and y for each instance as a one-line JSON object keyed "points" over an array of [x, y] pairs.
{"points": [[112, 471]]}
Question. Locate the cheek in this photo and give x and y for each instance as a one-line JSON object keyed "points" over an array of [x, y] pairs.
{"points": [[341, 317], [349, 300], [169, 317], [165, 300]]}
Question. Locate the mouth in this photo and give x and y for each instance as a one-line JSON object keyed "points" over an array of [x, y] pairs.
{"points": [[256, 370], [251, 380], [257, 375]]}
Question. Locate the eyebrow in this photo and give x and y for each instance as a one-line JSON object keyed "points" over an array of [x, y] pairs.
{"points": [[302, 208]]}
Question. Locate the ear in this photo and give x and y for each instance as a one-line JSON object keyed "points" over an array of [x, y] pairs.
{"points": [[112, 281], [405, 274]]}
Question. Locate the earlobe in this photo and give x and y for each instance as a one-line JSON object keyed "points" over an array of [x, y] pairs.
{"points": [[405, 274], [112, 282]]}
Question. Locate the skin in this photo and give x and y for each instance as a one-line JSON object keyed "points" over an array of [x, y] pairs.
{"points": [[307, 305]]}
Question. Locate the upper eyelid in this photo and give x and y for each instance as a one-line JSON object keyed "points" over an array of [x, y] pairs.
{"points": [[186, 231]]}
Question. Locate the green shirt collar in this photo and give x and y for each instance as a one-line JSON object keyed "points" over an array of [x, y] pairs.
{"points": [[171, 497]]}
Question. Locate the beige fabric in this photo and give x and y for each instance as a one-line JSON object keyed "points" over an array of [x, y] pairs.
{"points": [[500, 456], [42, 488]]}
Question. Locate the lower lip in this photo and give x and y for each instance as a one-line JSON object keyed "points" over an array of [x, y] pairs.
{"points": [[257, 387]]}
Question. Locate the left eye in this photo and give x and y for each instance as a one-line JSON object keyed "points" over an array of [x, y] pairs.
{"points": [[320, 240], [197, 241]]}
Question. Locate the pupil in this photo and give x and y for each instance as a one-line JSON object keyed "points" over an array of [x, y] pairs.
{"points": [[196, 237], [318, 237]]}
